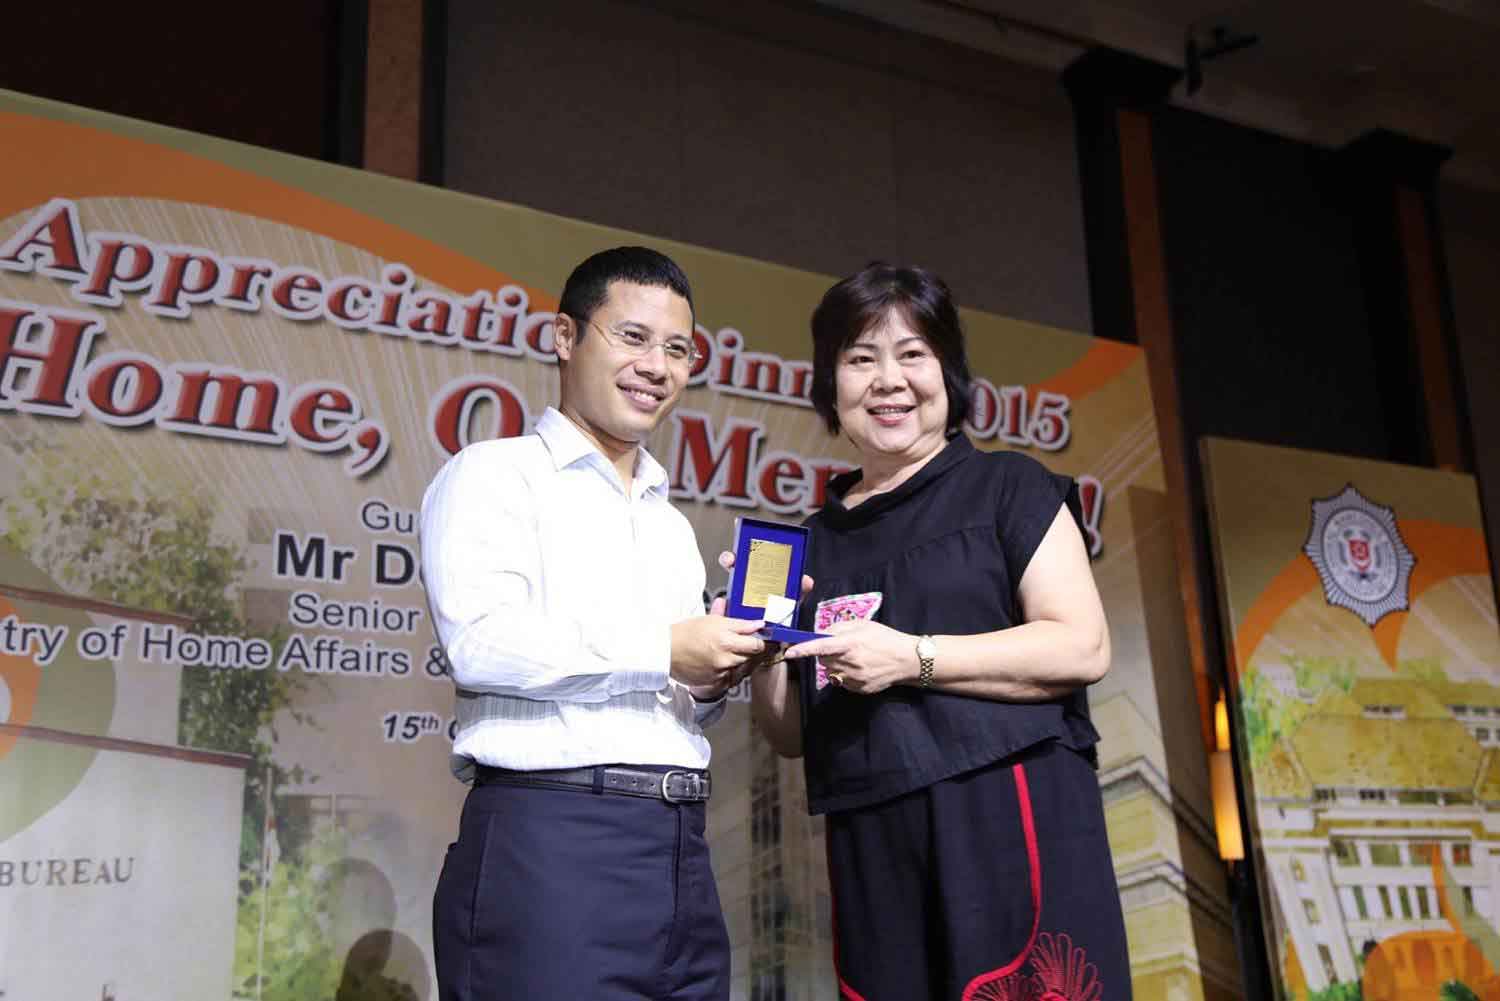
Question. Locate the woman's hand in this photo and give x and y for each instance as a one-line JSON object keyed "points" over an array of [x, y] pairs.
{"points": [[863, 657]]}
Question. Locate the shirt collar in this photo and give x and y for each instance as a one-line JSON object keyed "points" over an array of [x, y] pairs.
{"points": [[567, 445], [954, 452]]}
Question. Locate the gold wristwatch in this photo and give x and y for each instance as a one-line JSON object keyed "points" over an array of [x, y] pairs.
{"points": [[926, 654]]}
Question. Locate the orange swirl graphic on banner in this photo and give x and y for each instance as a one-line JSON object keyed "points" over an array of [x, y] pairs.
{"points": [[22, 679], [1285, 590], [1442, 551], [1100, 365], [120, 167]]}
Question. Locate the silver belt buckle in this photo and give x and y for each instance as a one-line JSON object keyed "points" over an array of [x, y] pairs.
{"points": [[695, 785]]}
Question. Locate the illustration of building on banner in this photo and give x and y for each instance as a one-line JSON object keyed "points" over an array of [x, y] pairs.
{"points": [[790, 908], [770, 868], [1371, 789], [1361, 617]]}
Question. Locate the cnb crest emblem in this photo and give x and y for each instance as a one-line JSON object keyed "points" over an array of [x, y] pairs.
{"points": [[1360, 555]]}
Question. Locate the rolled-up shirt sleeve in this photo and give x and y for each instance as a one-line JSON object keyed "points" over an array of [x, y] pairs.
{"points": [[482, 566]]}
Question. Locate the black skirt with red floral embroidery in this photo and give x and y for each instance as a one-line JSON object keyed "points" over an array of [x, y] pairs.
{"points": [[994, 885]]}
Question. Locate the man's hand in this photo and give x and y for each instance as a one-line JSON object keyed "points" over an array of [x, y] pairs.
{"points": [[711, 652]]}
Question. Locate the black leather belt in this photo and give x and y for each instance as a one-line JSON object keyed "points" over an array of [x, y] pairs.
{"points": [[678, 785]]}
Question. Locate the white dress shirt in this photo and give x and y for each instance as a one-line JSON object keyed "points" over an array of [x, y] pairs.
{"points": [[553, 594]]}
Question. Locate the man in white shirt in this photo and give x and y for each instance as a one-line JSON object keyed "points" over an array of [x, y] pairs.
{"points": [[567, 593]]}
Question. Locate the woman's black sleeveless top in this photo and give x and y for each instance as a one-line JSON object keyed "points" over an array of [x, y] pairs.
{"points": [[945, 551]]}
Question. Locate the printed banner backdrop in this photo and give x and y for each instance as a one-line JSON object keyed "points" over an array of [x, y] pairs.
{"points": [[226, 376], [1361, 621]]}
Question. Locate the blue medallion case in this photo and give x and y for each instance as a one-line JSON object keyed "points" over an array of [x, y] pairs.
{"points": [[769, 556]]}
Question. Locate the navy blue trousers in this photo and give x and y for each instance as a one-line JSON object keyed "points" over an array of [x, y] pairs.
{"points": [[564, 893], [994, 885]]}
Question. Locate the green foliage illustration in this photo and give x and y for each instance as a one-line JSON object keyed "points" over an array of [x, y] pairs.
{"points": [[1349, 991], [1267, 716], [295, 958], [1456, 990], [1320, 674]]}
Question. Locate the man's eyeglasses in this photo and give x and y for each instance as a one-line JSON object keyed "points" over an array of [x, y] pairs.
{"points": [[679, 350]]}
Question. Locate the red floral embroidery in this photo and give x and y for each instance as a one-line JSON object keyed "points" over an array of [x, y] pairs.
{"points": [[1016, 987], [1063, 972], [1059, 971]]}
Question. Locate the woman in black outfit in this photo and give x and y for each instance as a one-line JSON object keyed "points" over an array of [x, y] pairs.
{"points": [[944, 722]]}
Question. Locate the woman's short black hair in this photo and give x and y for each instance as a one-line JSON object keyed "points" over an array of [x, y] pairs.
{"points": [[588, 285], [861, 302]]}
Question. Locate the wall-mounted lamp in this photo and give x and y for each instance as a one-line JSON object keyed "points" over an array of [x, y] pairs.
{"points": [[1221, 782]]}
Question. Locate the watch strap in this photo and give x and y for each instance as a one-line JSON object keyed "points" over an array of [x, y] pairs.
{"points": [[925, 661]]}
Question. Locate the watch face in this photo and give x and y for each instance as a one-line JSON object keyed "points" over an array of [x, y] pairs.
{"points": [[926, 648]]}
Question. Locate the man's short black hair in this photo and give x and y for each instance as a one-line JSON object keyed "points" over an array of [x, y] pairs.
{"points": [[861, 302], [588, 285]]}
